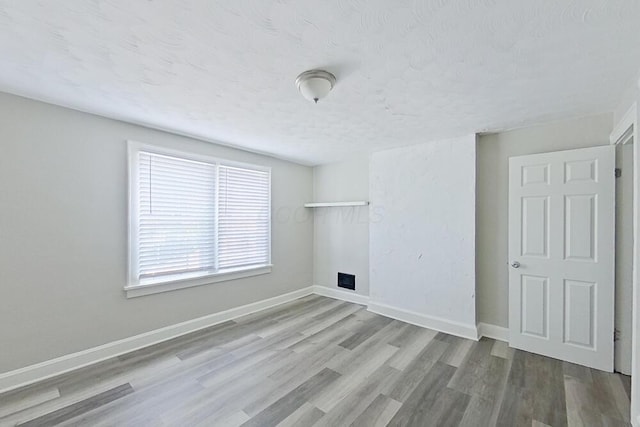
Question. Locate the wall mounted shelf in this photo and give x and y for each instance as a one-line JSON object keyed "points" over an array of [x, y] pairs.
{"points": [[336, 204]]}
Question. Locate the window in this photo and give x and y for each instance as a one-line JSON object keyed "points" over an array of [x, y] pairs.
{"points": [[195, 220]]}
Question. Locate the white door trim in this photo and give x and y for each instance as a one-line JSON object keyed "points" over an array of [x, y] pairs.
{"points": [[623, 132], [626, 129]]}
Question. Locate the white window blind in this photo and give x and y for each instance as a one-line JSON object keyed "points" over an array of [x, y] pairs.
{"points": [[192, 218], [176, 216], [243, 217]]}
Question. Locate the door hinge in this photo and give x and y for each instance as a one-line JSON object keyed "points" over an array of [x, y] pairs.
{"points": [[616, 334], [618, 172]]}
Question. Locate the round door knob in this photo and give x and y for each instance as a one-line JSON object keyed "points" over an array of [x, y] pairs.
{"points": [[515, 264]]}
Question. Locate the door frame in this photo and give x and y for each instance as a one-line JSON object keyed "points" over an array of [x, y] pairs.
{"points": [[625, 131]]}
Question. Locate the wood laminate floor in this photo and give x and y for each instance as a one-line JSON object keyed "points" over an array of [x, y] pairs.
{"points": [[322, 362]]}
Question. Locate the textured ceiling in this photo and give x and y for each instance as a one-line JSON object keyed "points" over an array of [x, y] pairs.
{"points": [[408, 71]]}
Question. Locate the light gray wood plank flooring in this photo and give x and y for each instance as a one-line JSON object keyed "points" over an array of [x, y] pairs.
{"points": [[322, 362]]}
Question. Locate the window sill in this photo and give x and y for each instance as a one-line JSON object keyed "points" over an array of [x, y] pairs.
{"points": [[133, 291]]}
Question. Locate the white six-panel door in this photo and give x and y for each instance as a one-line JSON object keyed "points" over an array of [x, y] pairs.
{"points": [[561, 255]]}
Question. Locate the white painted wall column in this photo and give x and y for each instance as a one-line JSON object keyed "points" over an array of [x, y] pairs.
{"points": [[422, 244]]}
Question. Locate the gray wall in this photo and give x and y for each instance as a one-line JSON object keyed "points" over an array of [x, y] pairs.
{"points": [[493, 152], [63, 234], [341, 235]]}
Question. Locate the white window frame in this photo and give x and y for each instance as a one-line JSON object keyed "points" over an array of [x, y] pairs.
{"points": [[134, 287]]}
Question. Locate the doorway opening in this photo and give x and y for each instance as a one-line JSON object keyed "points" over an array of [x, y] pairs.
{"points": [[624, 258]]}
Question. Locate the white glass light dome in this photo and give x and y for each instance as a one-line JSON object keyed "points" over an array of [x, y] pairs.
{"points": [[315, 84]]}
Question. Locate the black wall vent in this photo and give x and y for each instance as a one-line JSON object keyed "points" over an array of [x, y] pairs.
{"points": [[347, 281]]}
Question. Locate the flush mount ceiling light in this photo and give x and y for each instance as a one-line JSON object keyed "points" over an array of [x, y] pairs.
{"points": [[315, 84]]}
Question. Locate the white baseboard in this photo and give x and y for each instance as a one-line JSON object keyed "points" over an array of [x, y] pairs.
{"points": [[50, 368], [493, 331], [60, 365], [436, 323], [348, 296]]}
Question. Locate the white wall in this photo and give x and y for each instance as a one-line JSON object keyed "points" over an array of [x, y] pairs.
{"points": [[492, 199], [423, 245], [341, 235], [63, 231]]}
